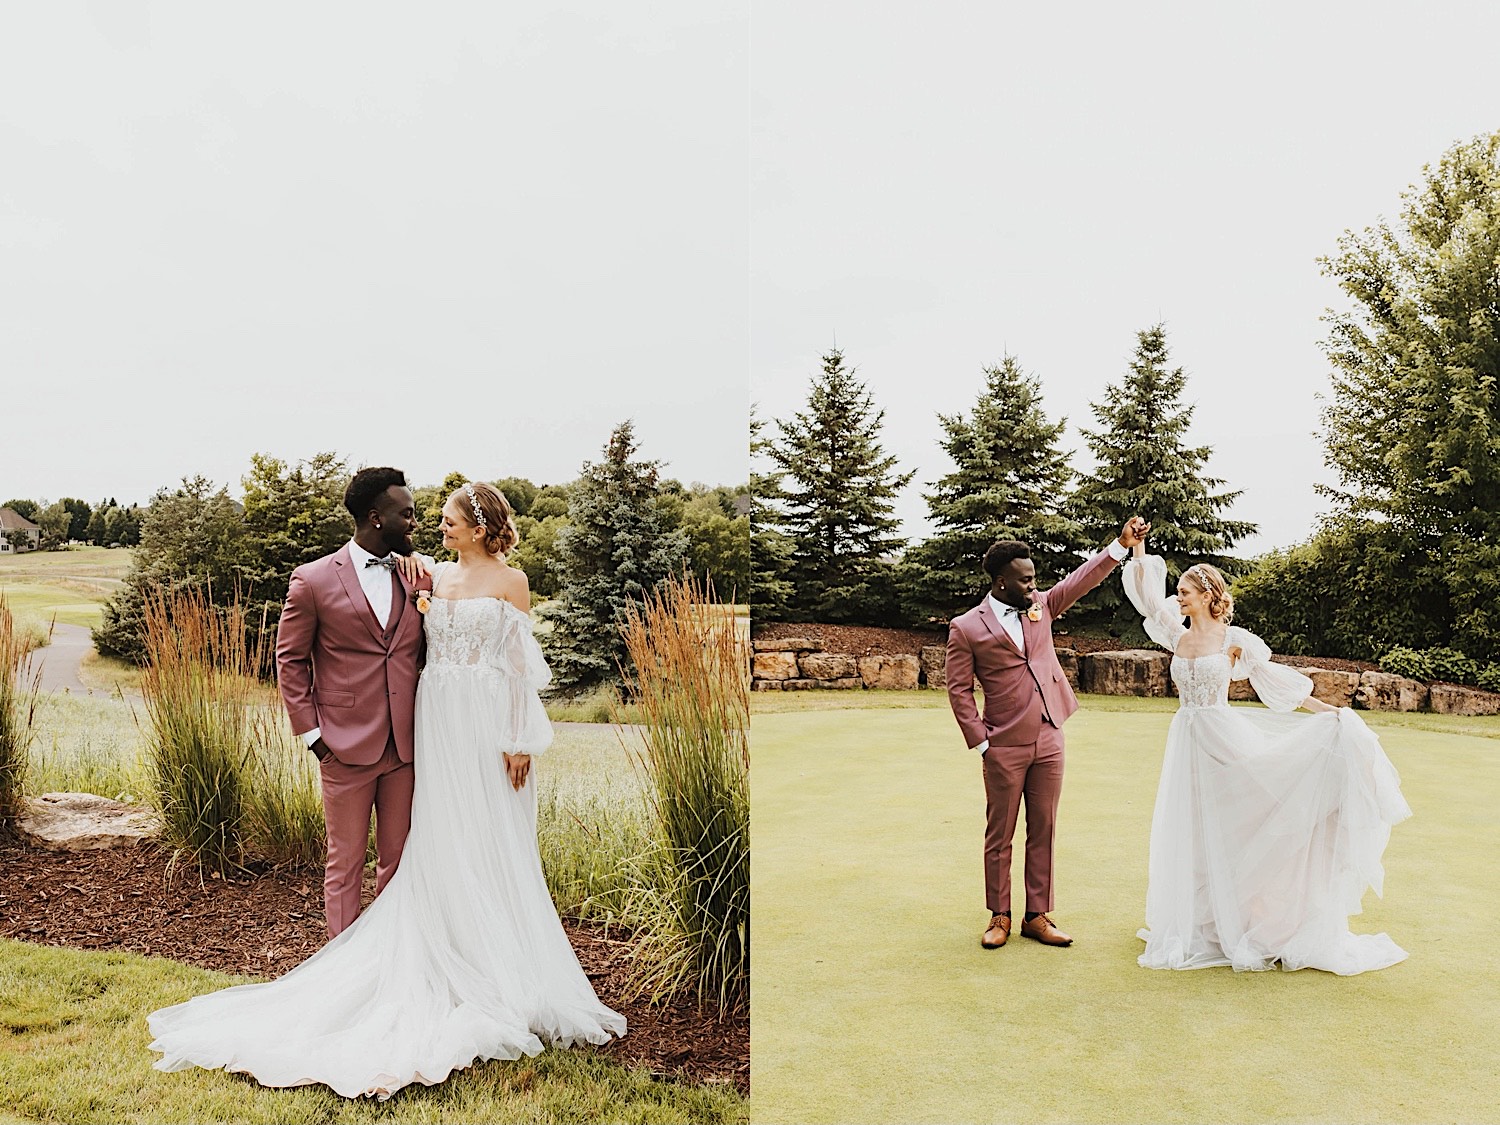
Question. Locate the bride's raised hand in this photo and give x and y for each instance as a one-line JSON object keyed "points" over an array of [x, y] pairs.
{"points": [[517, 766], [412, 568]]}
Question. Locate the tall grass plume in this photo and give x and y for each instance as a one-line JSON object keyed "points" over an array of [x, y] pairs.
{"points": [[198, 697], [691, 900], [18, 700]]}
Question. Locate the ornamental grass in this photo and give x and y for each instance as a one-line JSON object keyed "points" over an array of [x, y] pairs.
{"points": [[691, 894], [198, 693], [18, 702]]}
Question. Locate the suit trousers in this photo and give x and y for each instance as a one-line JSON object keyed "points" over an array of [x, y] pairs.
{"points": [[1011, 773], [350, 793]]}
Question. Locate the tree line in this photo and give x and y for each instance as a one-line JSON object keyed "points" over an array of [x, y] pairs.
{"points": [[588, 546], [70, 520], [1407, 555], [825, 544]]}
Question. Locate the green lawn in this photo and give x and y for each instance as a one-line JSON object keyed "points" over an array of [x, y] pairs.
{"points": [[874, 1001], [69, 585], [74, 1049]]}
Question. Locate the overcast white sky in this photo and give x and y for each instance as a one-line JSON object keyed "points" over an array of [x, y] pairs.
{"points": [[938, 184], [461, 236]]}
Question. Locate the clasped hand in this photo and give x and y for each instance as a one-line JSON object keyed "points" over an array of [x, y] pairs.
{"points": [[517, 766]]}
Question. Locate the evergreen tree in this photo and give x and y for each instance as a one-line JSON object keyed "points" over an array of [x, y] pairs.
{"points": [[613, 551], [192, 536], [770, 550], [1009, 481], [1144, 467], [837, 503]]}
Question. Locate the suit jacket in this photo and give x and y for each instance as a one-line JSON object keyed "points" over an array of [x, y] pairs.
{"points": [[339, 670], [1020, 692]]}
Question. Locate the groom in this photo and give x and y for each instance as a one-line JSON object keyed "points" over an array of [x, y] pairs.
{"points": [[346, 659], [1006, 641]]}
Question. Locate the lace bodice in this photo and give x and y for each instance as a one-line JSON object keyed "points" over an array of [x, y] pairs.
{"points": [[1202, 681], [482, 631]]}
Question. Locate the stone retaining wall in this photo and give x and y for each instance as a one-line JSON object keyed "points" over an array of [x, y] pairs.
{"points": [[800, 664]]}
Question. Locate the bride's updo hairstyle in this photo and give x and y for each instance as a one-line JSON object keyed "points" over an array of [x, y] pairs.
{"points": [[1213, 587], [498, 522]]}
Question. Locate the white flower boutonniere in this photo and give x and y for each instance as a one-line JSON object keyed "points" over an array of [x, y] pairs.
{"points": [[1034, 612]]}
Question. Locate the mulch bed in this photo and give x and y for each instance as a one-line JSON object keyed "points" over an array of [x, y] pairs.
{"points": [[864, 640], [127, 899]]}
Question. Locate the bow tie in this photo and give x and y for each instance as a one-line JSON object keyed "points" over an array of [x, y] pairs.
{"points": [[389, 562], [1008, 611]]}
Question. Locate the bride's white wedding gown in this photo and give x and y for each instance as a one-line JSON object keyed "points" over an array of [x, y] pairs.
{"points": [[1269, 825], [462, 956]]}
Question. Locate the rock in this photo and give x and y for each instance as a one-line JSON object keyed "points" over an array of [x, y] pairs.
{"points": [[787, 644], [933, 660], [1382, 691], [1133, 671], [1240, 691], [1335, 688], [843, 683], [827, 666], [1451, 699], [891, 672], [800, 685], [1069, 661], [774, 666], [78, 822], [766, 685]]}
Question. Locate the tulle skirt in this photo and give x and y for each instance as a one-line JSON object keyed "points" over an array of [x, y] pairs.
{"points": [[1268, 829], [461, 958]]}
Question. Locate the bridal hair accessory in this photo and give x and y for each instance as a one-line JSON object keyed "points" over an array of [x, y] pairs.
{"points": [[478, 511]]}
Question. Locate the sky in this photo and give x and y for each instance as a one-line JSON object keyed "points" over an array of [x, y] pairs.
{"points": [[936, 187], [463, 236]]}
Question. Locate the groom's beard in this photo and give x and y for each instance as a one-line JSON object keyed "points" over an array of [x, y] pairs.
{"points": [[397, 543]]}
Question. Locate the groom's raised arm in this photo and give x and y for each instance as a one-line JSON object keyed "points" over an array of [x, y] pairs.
{"points": [[294, 642], [1093, 572]]}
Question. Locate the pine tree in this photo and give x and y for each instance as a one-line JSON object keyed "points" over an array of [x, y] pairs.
{"points": [[1144, 467], [612, 552], [837, 503], [1009, 481], [770, 550]]}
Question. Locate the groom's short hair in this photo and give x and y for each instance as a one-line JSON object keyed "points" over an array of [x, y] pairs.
{"points": [[1003, 552], [366, 486]]}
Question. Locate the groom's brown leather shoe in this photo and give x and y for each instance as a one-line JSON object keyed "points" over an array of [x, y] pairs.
{"points": [[998, 933], [1041, 929]]}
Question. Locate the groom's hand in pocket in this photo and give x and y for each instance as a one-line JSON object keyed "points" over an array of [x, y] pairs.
{"points": [[320, 750]]}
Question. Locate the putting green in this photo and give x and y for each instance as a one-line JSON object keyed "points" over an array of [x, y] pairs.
{"points": [[874, 1002]]}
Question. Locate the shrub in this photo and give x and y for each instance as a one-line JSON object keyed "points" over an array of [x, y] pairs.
{"points": [[1489, 677], [1408, 662], [692, 892], [1433, 664]]}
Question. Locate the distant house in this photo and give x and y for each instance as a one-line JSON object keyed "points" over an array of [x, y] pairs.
{"points": [[20, 534]]}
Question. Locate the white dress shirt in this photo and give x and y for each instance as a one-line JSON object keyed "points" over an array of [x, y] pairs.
{"points": [[1010, 617], [375, 581]]}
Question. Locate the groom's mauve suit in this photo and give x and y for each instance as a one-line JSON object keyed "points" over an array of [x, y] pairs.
{"points": [[342, 671], [1026, 700]]}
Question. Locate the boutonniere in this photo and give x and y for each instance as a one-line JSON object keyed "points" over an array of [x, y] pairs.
{"points": [[1034, 612], [421, 593]]}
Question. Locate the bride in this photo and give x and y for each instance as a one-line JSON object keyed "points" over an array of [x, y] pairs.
{"points": [[462, 956], [1268, 825]]}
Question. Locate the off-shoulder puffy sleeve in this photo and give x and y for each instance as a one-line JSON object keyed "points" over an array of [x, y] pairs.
{"points": [[1145, 578], [524, 726], [1280, 688]]}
